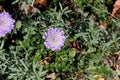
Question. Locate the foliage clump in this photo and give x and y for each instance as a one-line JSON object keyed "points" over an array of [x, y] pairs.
{"points": [[89, 40]]}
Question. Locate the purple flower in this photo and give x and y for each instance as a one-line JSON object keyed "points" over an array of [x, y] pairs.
{"points": [[54, 39], [6, 23]]}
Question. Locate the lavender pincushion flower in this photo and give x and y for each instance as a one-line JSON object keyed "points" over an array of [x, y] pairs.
{"points": [[54, 39], [6, 23]]}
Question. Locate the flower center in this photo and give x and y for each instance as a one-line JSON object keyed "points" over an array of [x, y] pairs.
{"points": [[2, 23], [53, 40]]}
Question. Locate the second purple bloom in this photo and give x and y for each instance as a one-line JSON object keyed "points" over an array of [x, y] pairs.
{"points": [[54, 39]]}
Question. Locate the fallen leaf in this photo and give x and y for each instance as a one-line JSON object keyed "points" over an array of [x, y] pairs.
{"points": [[103, 25], [80, 75], [27, 9], [70, 22], [40, 3], [116, 9], [113, 61], [74, 44], [45, 60], [116, 77], [98, 77], [101, 78], [82, 51], [51, 76]]}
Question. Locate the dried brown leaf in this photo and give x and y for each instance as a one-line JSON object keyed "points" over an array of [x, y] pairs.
{"points": [[82, 51], [40, 3], [103, 25], [101, 78], [115, 9], [46, 60], [27, 8], [74, 44], [113, 60], [51, 76], [98, 77]]}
